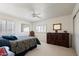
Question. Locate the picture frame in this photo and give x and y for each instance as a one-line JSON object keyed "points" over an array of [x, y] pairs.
{"points": [[57, 26]]}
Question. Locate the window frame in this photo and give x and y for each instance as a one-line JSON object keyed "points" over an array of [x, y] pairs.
{"points": [[43, 31], [22, 26], [5, 26]]}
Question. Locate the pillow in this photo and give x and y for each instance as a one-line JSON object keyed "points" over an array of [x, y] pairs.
{"points": [[3, 52], [10, 37], [14, 37]]}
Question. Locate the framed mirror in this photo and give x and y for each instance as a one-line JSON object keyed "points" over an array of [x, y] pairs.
{"points": [[57, 27]]}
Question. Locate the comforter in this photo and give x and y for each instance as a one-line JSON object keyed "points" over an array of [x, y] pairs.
{"points": [[23, 44]]}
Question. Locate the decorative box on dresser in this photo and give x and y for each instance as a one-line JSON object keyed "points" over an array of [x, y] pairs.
{"points": [[61, 39]]}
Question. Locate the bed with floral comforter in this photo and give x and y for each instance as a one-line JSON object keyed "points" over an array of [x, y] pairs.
{"points": [[23, 43]]}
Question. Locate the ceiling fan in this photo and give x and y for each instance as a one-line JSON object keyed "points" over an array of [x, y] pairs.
{"points": [[34, 14]]}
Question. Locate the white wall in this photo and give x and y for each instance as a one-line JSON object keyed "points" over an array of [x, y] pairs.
{"points": [[66, 21], [17, 23], [76, 29]]}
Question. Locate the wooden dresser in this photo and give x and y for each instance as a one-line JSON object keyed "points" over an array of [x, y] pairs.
{"points": [[61, 39]]}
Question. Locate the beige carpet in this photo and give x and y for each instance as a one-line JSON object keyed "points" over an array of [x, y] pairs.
{"points": [[51, 50]]}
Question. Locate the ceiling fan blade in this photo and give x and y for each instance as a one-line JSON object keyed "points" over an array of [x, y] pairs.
{"points": [[38, 16]]}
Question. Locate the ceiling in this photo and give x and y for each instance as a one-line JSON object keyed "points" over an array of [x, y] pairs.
{"points": [[45, 10]]}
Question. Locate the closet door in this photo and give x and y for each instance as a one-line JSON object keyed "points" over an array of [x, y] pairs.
{"points": [[2, 27], [10, 27]]}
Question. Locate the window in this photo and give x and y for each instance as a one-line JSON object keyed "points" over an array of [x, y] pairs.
{"points": [[6, 27], [41, 28], [2, 26], [10, 27], [25, 28]]}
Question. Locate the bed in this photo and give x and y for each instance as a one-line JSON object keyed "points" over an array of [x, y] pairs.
{"points": [[22, 44]]}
